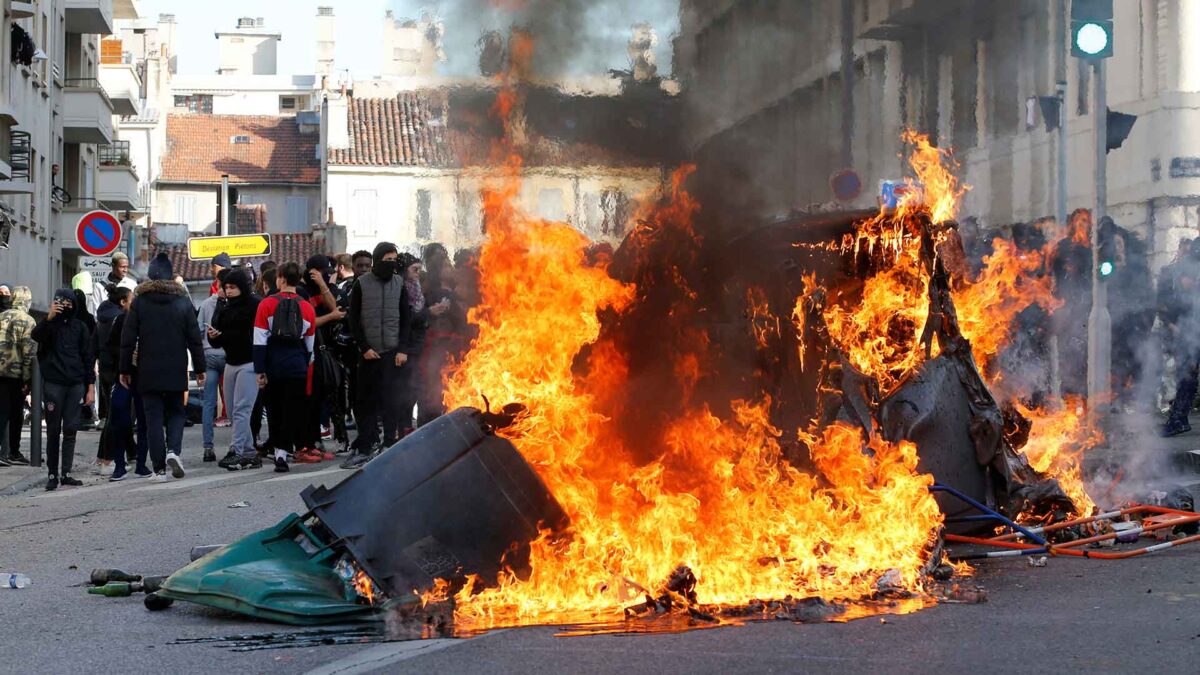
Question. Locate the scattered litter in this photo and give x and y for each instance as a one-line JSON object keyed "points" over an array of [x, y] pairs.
{"points": [[1127, 533], [1037, 561], [101, 577], [240, 505], [964, 595], [14, 581]]}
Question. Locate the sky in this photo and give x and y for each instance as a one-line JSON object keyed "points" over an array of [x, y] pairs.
{"points": [[360, 30]]}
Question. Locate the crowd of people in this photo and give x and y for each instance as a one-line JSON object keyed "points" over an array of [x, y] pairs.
{"points": [[352, 342]]}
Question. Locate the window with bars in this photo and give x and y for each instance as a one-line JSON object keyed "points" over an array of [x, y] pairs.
{"points": [[195, 103]]}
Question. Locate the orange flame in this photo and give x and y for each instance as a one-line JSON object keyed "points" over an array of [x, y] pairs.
{"points": [[716, 495], [1056, 446], [364, 587], [940, 190]]}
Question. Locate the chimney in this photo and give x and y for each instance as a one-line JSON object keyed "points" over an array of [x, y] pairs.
{"points": [[642, 42], [326, 27], [245, 22]]}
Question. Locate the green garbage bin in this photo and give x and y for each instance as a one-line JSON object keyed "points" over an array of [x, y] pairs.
{"points": [[284, 573]]}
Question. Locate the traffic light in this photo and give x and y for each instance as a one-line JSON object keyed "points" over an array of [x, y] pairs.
{"points": [[1119, 126], [1106, 259], [1092, 29]]}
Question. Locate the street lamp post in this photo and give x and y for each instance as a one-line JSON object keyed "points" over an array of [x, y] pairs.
{"points": [[1099, 321]]}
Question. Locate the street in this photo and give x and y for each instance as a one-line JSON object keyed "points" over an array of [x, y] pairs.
{"points": [[1073, 614]]}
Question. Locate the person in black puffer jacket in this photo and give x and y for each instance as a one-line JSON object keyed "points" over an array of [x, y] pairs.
{"points": [[102, 339], [161, 328], [65, 355], [233, 331]]}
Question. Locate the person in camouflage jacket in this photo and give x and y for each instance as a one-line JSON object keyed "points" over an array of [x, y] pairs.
{"points": [[17, 349]]}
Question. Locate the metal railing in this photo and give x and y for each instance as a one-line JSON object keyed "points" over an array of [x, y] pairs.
{"points": [[20, 155], [116, 154], [87, 84]]}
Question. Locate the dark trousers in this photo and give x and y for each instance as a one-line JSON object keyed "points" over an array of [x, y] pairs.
{"points": [[12, 415], [104, 387], [1188, 369], [163, 409], [407, 386], [256, 415], [379, 401], [288, 414], [64, 407], [125, 405]]}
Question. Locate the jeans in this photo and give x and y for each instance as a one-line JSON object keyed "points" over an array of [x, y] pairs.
{"points": [[12, 415], [64, 410], [287, 405], [125, 405], [163, 408], [241, 392], [380, 401], [214, 365]]}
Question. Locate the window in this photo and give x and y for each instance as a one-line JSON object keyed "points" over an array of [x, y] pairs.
{"points": [[614, 204], [365, 207], [196, 103], [185, 209], [239, 140], [287, 102], [297, 214], [550, 205], [424, 214], [470, 216]]}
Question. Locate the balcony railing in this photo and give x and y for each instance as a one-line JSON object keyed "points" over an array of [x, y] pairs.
{"points": [[20, 155], [116, 154]]}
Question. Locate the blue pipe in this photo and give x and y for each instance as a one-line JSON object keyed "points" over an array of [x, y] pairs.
{"points": [[989, 513]]}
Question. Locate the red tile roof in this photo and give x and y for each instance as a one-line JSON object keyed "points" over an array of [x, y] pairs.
{"points": [[200, 150], [297, 247], [395, 132]]}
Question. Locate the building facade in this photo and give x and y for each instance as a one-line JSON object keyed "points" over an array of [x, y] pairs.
{"points": [[780, 95], [56, 120]]}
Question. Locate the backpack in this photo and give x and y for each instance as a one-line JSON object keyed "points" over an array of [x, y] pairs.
{"points": [[288, 322]]}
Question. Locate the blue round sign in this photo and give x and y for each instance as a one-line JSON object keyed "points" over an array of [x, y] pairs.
{"points": [[846, 185], [98, 233]]}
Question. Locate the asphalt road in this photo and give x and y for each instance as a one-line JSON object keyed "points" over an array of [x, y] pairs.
{"points": [[1141, 614]]}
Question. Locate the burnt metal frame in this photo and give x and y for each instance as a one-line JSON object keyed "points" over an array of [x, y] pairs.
{"points": [[989, 515]]}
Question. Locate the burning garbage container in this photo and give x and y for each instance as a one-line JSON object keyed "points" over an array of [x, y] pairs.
{"points": [[449, 500]]}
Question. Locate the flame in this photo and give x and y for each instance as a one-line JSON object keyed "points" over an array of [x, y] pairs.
{"points": [[1057, 442], [364, 587], [716, 493], [940, 190], [764, 324]]}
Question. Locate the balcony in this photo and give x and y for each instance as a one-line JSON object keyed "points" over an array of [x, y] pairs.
{"points": [[117, 185], [90, 16], [126, 9], [124, 87], [87, 112], [15, 173]]}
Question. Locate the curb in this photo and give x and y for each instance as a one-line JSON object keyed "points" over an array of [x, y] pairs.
{"points": [[22, 485]]}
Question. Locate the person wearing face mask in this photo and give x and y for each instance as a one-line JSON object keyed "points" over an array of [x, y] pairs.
{"points": [[233, 331], [65, 356], [325, 374], [17, 349], [381, 319]]}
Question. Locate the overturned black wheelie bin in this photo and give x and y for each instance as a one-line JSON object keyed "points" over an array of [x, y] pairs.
{"points": [[449, 500]]}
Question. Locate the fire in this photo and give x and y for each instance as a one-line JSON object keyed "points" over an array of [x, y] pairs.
{"points": [[364, 587], [941, 191], [1056, 445], [716, 494]]}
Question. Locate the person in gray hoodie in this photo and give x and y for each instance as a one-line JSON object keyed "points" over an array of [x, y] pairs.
{"points": [[214, 364]]}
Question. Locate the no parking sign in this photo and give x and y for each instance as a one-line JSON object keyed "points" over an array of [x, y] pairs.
{"points": [[98, 233]]}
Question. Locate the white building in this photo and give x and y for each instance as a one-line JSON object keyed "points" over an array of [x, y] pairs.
{"points": [[250, 49], [54, 118]]}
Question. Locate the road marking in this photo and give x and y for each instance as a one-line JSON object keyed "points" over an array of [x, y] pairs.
{"points": [[376, 658], [310, 474], [71, 492], [179, 484]]}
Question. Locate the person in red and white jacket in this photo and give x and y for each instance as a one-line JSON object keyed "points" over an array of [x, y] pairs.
{"points": [[282, 363]]}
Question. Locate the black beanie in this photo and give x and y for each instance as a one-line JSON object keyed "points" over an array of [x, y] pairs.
{"points": [[160, 268]]}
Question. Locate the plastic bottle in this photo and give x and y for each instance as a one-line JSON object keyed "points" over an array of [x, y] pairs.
{"points": [[14, 580]]}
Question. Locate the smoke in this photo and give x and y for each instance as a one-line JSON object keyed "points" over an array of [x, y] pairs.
{"points": [[572, 37]]}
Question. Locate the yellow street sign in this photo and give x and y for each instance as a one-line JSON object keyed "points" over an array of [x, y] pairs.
{"points": [[205, 248]]}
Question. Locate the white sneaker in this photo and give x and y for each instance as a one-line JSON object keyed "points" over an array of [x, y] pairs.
{"points": [[175, 465], [160, 477], [107, 469]]}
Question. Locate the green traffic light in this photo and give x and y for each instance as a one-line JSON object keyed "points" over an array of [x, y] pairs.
{"points": [[1091, 38], [1106, 268]]}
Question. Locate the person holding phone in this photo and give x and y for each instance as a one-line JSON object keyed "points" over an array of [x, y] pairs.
{"points": [[69, 382], [233, 331]]}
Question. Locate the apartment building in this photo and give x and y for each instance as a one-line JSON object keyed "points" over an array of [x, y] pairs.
{"points": [[56, 122], [780, 95]]}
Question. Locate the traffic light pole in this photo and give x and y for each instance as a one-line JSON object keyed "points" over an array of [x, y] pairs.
{"points": [[1099, 322]]}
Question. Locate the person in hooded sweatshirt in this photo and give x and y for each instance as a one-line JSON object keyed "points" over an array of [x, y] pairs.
{"points": [[17, 349], [233, 331], [106, 317], [69, 382], [161, 332], [381, 318]]}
